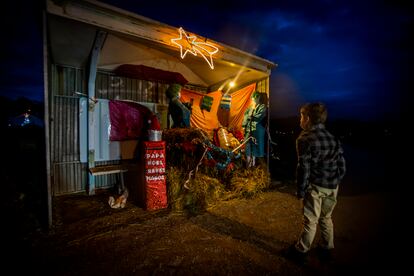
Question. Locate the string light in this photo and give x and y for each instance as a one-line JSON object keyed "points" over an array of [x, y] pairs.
{"points": [[188, 44]]}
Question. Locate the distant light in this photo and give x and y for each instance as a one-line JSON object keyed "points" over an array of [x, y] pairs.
{"points": [[232, 84], [26, 120]]}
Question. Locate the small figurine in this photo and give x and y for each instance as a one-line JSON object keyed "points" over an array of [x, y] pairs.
{"points": [[254, 124], [180, 112]]}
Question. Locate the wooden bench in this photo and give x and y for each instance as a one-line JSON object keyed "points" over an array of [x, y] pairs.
{"points": [[110, 169]]}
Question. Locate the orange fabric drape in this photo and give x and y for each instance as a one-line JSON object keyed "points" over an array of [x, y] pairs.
{"points": [[240, 101], [208, 120]]}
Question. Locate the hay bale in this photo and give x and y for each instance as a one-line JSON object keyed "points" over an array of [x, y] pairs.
{"points": [[250, 182], [175, 188], [201, 192], [208, 185]]}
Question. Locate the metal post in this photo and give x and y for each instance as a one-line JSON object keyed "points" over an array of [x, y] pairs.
{"points": [[98, 43], [47, 121]]}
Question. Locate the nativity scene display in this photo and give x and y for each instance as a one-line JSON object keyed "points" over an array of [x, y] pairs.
{"points": [[213, 145]]}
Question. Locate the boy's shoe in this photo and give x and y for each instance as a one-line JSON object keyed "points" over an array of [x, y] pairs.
{"points": [[325, 255], [296, 256]]}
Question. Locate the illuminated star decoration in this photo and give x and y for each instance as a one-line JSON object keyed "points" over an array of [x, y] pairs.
{"points": [[188, 44]]}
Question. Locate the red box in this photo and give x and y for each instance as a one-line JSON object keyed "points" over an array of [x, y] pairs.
{"points": [[154, 190]]}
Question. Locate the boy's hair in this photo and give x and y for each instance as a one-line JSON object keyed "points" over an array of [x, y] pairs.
{"points": [[317, 112]]}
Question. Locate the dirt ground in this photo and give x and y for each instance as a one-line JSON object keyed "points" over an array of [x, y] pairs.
{"points": [[235, 237]]}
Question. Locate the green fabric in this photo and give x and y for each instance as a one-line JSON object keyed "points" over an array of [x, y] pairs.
{"points": [[254, 124], [206, 103], [180, 114], [253, 116], [173, 90]]}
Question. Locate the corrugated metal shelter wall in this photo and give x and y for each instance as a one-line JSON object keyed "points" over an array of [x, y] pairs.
{"points": [[263, 85], [68, 174], [112, 87]]}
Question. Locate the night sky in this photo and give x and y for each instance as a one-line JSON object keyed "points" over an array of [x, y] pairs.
{"points": [[353, 55]]}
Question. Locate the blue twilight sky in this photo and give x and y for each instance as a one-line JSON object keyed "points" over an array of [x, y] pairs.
{"points": [[355, 56]]}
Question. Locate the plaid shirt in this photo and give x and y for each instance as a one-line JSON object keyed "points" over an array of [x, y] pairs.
{"points": [[320, 159]]}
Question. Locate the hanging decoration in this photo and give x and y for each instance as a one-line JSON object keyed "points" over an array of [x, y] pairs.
{"points": [[206, 103], [188, 43], [225, 102]]}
